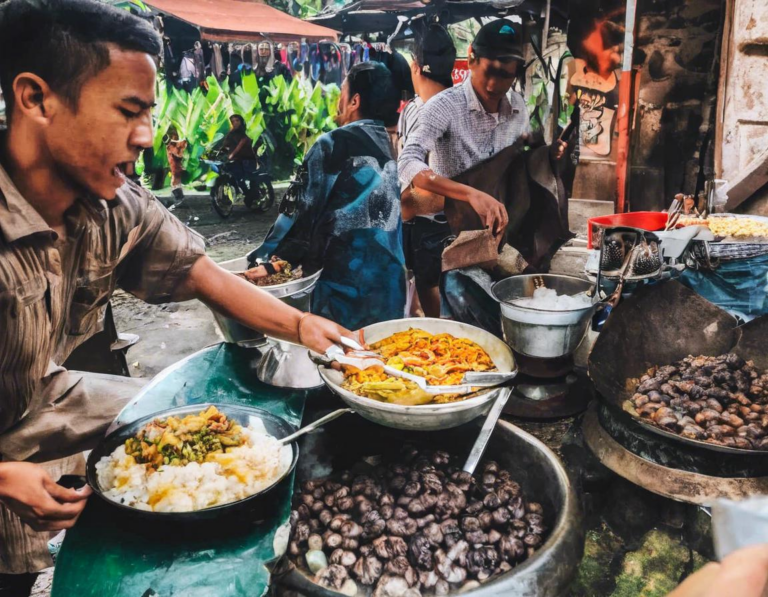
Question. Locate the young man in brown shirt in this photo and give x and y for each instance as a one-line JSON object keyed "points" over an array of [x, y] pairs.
{"points": [[78, 78]]}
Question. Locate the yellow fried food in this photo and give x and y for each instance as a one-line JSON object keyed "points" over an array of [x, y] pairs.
{"points": [[730, 227], [442, 359]]}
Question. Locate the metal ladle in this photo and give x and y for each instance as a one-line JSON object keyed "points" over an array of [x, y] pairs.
{"points": [[481, 443]]}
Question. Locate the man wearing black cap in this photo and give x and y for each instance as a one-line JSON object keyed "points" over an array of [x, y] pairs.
{"points": [[470, 123], [425, 228], [474, 135]]}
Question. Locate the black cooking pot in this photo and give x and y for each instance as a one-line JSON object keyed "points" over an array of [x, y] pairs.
{"points": [[257, 506], [659, 325]]}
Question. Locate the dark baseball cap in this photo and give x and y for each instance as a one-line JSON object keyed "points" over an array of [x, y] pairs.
{"points": [[436, 54], [499, 40]]}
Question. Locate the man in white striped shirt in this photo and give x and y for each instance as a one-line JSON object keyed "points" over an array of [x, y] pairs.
{"points": [[470, 123]]}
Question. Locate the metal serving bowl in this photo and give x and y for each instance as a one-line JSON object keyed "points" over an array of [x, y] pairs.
{"points": [[538, 333], [296, 293], [548, 573], [244, 415], [425, 417]]}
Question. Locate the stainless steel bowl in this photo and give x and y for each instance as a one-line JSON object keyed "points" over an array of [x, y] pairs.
{"points": [[538, 333], [287, 365], [296, 293], [425, 417], [550, 570]]}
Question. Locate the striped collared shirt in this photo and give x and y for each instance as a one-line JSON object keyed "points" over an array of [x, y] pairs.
{"points": [[456, 132], [54, 291]]}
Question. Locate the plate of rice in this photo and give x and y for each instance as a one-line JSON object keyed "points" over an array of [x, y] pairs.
{"points": [[194, 460]]}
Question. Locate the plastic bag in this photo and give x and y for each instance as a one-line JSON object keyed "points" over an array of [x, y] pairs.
{"points": [[739, 524]]}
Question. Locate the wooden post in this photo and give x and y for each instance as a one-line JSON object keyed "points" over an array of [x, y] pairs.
{"points": [[625, 99], [722, 84]]}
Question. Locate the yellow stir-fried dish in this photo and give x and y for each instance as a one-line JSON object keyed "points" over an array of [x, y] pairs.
{"points": [[442, 359], [739, 228]]}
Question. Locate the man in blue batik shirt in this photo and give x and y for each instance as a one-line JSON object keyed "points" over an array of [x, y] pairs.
{"points": [[344, 214]]}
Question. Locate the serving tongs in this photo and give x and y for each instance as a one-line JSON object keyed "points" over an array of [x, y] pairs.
{"points": [[361, 358]]}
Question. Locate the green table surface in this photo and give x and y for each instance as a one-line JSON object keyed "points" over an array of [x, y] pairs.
{"points": [[109, 553]]}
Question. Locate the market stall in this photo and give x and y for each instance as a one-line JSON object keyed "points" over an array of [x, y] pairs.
{"points": [[116, 552], [237, 21], [419, 491]]}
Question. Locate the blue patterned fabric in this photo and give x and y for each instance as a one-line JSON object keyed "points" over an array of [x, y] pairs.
{"points": [[347, 222], [739, 286]]}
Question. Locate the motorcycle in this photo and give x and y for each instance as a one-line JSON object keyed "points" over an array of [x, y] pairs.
{"points": [[285, 219], [240, 183]]}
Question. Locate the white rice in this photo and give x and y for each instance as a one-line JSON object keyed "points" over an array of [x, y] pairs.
{"points": [[233, 476], [547, 299]]}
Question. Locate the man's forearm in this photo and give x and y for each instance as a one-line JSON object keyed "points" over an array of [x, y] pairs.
{"points": [[233, 297], [429, 181]]}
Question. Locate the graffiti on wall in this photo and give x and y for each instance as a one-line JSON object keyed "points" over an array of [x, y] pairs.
{"points": [[598, 99]]}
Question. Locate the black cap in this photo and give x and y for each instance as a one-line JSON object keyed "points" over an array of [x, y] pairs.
{"points": [[499, 40], [436, 54]]}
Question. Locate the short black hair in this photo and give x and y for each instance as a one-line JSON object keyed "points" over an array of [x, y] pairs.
{"points": [[379, 98], [435, 54], [65, 42]]}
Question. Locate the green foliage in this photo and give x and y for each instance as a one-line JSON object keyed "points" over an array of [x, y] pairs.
{"points": [[128, 4], [308, 8], [305, 8], [287, 117]]}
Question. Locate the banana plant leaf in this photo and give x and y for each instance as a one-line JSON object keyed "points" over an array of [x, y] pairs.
{"points": [[287, 117]]}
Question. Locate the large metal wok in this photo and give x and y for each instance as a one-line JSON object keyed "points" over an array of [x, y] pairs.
{"points": [[244, 415], [659, 325], [425, 417]]}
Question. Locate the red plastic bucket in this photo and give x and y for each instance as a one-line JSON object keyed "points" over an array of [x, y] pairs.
{"points": [[645, 220]]}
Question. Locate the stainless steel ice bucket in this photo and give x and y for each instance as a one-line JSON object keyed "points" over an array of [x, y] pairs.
{"points": [[539, 333]]}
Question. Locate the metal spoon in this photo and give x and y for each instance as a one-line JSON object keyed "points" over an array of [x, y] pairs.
{"points": [[289, 439], [485, 433]]}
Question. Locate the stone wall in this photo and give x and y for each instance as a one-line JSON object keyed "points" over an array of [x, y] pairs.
{"points": [[675, 58], [743, 105]]}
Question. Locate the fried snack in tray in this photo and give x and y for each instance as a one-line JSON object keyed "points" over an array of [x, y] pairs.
{"points": [[730, 227], [442, 359], [177, 442], [260, 276]]}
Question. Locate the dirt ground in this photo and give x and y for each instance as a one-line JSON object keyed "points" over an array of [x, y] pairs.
{"points": [[168, 333]]}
